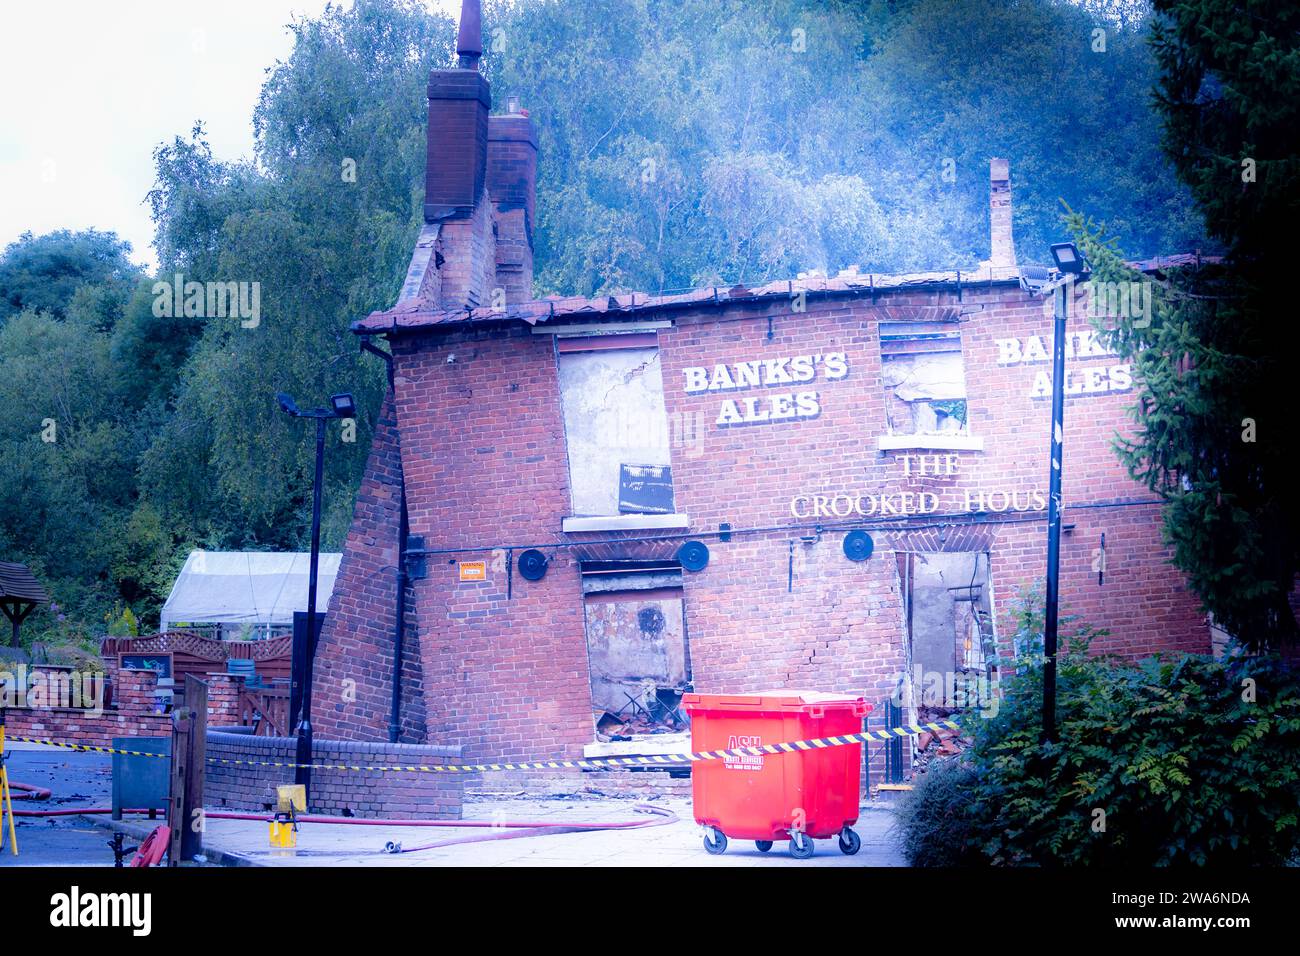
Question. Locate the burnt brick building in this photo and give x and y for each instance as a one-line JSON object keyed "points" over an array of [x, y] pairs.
{"points": [[545, 460]]}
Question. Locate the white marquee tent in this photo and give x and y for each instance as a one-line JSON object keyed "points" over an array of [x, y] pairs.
{"points": [[253, 588]]}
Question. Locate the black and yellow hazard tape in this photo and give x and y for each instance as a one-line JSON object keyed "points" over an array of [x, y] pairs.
{"points": [[595, 763], [85, 747]]}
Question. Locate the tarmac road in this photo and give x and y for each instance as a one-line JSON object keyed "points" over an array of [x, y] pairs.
{"points": [[84, 780]]}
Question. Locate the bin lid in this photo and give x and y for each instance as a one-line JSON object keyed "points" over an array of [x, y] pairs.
{"points": [[773, 700]]}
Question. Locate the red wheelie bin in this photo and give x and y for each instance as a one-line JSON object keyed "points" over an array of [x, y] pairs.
{"points": [[800, 796]]}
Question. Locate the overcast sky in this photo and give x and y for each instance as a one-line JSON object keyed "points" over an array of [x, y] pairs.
{"points": [[88, 88]]}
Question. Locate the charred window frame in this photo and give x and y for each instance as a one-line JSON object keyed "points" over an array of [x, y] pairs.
{"points": [[923, 374], [616, 433]]}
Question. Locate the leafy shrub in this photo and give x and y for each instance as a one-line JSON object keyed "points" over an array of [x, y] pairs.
{"points": [[935, 822], [122, 622], [1157, 762]]}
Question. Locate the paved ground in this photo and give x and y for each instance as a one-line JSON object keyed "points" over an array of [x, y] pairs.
{"points": [[77, 780], [83, 780]]}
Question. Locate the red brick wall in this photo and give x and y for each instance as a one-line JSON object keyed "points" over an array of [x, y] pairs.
{"points": [[1143, 602], [485, 460], [352, 693], [384, 794], [133, 716], [223, 699], [503, 677]]}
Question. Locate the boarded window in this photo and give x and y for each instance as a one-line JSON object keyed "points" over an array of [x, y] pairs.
{"points": [[616, 427], [924, 378], [636, 647]]}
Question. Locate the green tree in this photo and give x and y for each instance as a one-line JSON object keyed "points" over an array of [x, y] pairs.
{"points": [[68, 447], [322, 224], [715, 142], [1174, 761], [1212, 365], [47, 272]]}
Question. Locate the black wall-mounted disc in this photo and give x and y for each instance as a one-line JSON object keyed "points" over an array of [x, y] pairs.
{"points": [[532, 565], [858, 546], [693, 555]]}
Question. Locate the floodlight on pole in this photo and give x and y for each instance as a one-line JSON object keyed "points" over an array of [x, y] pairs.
{"points": [[1068, 259], [341, 406], [1037, 280]]}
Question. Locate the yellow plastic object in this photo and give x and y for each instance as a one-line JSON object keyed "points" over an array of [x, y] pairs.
{"points": [[291, 798], [6, 802], [284, 831]]}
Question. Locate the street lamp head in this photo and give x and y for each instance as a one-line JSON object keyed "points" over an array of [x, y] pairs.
{"points": [[1068, 259], [344, 407], [1034, 278], [286, 404]]}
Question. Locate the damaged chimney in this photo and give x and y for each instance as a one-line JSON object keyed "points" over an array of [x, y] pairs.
{"points": [[456, 169], [1003, 248], [479, 189], [512, 184], [457, 143], [459, 101]]}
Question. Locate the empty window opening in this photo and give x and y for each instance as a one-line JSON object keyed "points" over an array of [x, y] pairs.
{"points": [[924, 378], [636, 649], [950, 630], [615, 425]]}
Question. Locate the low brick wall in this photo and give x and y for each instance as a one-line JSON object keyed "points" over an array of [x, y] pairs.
{"points": [[70, 725], [132, 717], [647, 784], [132, 713], [365, 794], [396, 794]]}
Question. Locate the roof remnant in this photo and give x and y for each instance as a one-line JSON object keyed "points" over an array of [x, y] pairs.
{"points": [[414, 313]]}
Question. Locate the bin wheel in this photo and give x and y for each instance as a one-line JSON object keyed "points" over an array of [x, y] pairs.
{"points": [[801, 847], [715, 841], [763, 845], [850, 842]]}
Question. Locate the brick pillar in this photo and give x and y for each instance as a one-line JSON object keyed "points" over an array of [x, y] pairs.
{"points": [[134, 692], [223, 699]]}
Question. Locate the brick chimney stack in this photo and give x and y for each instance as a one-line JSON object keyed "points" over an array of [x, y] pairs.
{"points": [[456, 170], [459, 102], [512, 184], [479, 189], [1003, 247]]}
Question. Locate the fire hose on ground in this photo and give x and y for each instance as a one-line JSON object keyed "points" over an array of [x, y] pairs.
{"points": [[502, 829], [29, 791]]}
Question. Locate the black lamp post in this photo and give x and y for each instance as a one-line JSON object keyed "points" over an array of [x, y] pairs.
{"points": [[1070, 265], [341, 406]]}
